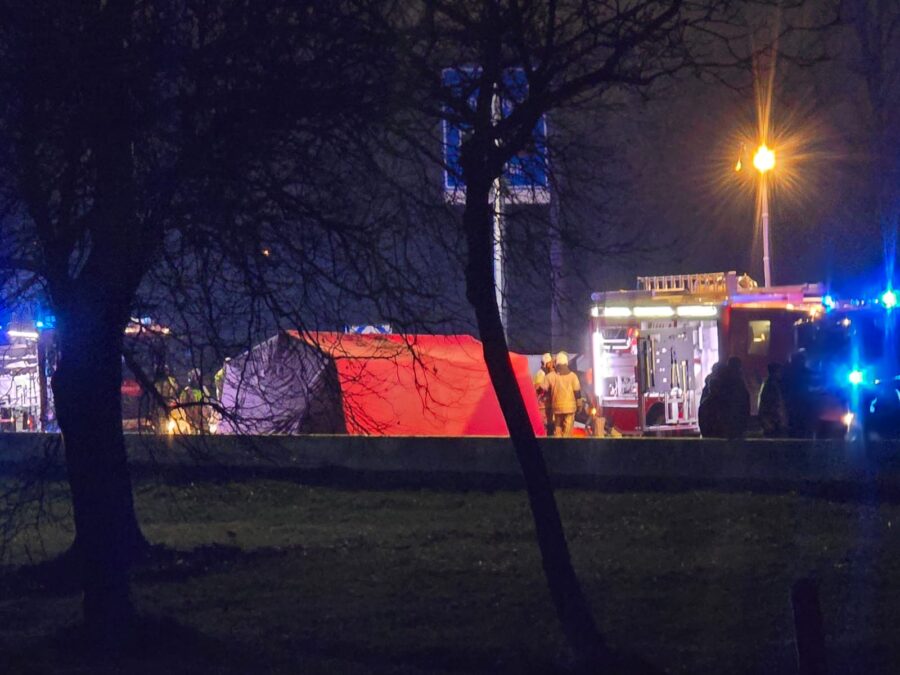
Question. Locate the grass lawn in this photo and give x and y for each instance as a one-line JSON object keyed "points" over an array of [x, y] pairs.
{"points": [[289, 578]]}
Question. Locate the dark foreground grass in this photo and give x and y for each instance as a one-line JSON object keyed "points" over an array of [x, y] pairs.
{"points": [[280, 577]]}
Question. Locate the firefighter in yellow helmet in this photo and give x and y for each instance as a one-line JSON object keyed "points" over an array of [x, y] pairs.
{"points": [[564, 392], [540, 388]]}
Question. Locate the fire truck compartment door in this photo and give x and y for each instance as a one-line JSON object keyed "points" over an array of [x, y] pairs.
{"points": [[670, 358]]}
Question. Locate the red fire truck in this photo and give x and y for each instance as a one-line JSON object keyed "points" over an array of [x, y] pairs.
{"points": [[653, 347]]}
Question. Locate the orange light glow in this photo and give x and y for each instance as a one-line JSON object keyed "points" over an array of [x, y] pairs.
{"points": [[764, 159]]}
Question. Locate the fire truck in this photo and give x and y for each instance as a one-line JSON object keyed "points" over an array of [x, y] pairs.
{"points": [[25, 397], [653, 347]]}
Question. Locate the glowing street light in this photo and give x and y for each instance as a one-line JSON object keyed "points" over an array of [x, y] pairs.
{"points": [[764, 159]]}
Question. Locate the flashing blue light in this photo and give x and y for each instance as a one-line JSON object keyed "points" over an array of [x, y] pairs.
{"points": [[829, 303], [38, 324], [855, 377], [889, 299]]}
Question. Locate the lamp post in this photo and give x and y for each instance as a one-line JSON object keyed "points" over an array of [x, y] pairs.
{"points": [[764, 161]]}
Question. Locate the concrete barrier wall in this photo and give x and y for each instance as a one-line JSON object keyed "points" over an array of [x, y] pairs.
{"points": [[570, 461]]}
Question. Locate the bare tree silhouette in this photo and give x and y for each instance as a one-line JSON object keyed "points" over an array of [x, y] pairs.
{"points": [[177, 140], [538, 58]]}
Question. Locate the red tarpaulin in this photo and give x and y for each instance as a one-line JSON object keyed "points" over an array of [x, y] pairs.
{"points": [[419, 385]]}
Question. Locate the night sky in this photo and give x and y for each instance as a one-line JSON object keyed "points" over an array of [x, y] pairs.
{"points": [[679, 152]]}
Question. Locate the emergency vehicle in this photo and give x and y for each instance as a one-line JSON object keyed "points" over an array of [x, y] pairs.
{"points": [[25, 395], [653, 347], [28, 358], [853, 349]]}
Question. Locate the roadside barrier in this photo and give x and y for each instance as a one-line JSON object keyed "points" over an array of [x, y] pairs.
{"points": [[658, 464]]}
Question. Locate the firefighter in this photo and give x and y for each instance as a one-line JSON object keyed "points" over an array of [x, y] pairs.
{"points": [[883, 418], [564, 391], [798, 395], [737, 400], [711, 411], [194, 398], [167, 388], [772, 410], [219, 379], [540, 387], [215, 410]]}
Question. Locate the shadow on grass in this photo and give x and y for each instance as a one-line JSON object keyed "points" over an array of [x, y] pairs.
{"points": [[59, 575], [158, 645], [472, 660], [163, 645]]}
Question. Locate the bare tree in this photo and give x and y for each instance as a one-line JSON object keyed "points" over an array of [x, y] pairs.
{"points": [[177, 139], [571, 55]]}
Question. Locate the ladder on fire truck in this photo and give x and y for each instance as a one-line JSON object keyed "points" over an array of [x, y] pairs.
{"points": [[709, 282]]}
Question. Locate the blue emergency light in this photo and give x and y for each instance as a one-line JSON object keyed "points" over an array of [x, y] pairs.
{"points": [[889, 299], [855, 377]]}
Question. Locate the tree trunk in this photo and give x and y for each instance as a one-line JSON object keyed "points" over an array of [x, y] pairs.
{"points": [[571, 605], [87, 393]]}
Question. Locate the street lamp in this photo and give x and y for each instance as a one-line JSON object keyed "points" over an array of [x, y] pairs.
{"points": [[764, 161]]}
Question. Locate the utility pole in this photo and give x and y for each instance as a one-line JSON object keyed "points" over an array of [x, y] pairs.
{"points": [[556, 279], [499, 226]]}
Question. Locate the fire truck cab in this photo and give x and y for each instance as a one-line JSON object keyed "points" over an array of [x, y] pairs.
{"points": [[653, 347]]}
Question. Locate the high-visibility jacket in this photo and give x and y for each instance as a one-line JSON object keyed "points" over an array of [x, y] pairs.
{"points": [[564, 390]]}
